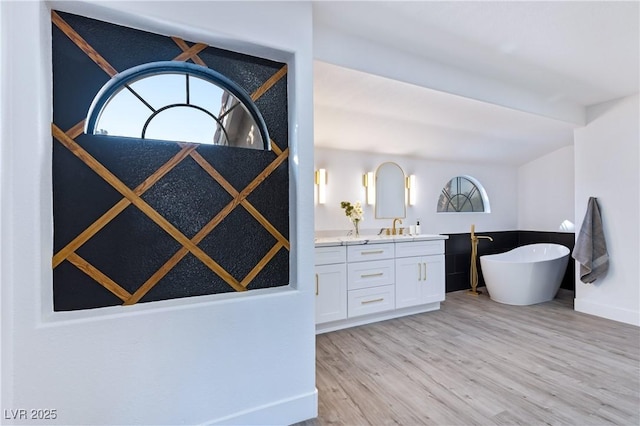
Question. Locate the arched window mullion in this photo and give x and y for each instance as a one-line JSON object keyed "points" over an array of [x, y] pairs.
{"points": [[246, 125], [454, 198], [155, 114], [137, 95]]}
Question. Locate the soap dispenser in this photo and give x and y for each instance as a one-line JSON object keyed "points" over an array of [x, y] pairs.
{"points": [[418, 227]]}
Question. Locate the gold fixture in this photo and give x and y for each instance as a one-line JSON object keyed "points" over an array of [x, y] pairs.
{"points": [[321, 183], [474, 255], [368, 181], [394, 230], [364, 302]]}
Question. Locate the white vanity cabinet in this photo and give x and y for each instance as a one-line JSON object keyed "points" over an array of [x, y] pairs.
{"points": [[420, 273], [331, 284], [360, 282]]}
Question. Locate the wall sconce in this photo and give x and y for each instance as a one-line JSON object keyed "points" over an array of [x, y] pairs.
{"points": [[368, 181], [321, 183], [411, 189]]}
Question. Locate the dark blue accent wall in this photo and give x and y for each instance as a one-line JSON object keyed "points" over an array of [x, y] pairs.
{"points": [[458, 254], [132, 249]]}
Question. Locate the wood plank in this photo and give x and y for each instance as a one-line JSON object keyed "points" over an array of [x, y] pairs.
{"points": [[261, 264], [476, 361], [269, 83], [185, 47], [82, 44], [98, 276], [156, 277], [191, 52], [76, 130]]}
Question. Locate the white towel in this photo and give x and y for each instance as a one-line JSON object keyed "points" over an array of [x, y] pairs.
{"points": [[591, 248]]}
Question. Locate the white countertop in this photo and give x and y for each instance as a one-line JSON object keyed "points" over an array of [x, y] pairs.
{"points": [[375, 239]]}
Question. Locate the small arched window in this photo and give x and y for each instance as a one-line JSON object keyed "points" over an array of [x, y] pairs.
{"points": [[177, 101], [463, 194]]}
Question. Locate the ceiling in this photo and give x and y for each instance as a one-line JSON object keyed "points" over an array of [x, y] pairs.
{"points": [[577, 53]]}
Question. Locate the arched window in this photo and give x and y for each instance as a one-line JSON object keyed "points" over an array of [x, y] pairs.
{"points": [[177, 101], [463, 194]]}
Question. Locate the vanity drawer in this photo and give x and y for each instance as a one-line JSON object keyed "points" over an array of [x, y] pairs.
{"points": [[419, 248], [329, 255], [365, 252], [370, 300], [370, 274]]}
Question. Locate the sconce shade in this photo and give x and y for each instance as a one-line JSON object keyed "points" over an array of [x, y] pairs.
{"points": [[368, 181], [321, 183], [412, 190]]}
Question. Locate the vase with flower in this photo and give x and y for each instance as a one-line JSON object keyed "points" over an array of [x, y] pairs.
{"points": [[354, 213]]}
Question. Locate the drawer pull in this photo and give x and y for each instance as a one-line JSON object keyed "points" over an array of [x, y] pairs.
{"points": [[425, 271], [419, 272], [377, 274], [372, 252], [316, 284], [364, 302]]}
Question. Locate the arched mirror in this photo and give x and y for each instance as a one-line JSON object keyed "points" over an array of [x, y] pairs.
{"points": [[390, 191]]}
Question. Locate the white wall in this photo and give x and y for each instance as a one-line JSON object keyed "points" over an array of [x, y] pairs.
{"points": [[545, 191], [607, 166], [246, 358], [345, 169]]}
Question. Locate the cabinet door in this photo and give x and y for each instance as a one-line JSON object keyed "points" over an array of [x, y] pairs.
{"points": [[432, 285], [331, 292], [419, 280], [409, 273]]}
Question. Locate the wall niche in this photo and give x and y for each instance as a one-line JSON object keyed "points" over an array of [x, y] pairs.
{"points": [[140, 220]]}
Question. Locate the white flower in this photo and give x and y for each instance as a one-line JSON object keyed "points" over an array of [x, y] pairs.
{"points": [[353, 211]]}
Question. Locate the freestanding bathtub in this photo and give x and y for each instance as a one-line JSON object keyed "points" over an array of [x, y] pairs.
{"points": [[525, 275]]}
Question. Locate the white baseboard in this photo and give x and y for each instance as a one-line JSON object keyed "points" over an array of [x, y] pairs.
{"points": [[626, 316], [283, 412], [378, 316]]}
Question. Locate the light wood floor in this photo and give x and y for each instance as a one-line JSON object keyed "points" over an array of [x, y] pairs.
{"points": [[477, 362]]}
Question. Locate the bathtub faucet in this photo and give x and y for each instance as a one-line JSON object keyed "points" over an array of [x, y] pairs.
{"points": [[475, 237], [474, 254]]}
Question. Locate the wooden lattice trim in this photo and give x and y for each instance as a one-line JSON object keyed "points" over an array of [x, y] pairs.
{"points": [[76, 130], [144, 207], [108, 216], [82, 44], [215, 221], [156, 277], [266, 224], [275, 148], [260, 265], [98, 276], [263, 89], [241, 199], [185, 47], [269, 83], [190, 52], [89, 232]]}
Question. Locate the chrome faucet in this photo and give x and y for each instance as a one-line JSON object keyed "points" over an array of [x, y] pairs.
{"points": [[394, 230]]}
